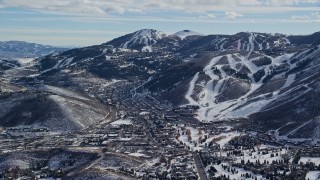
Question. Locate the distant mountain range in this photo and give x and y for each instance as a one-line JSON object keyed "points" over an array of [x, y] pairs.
{"points": [[144, 38], [21, 49], [269, 80]]}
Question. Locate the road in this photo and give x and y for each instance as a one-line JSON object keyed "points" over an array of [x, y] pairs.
{"points": [[200, 167], [148, 133]]}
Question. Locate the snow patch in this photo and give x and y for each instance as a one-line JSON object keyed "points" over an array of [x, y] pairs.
{"points": [[63, 63], [25, 61], [251, 43], [313, 175], [191, 89], [226, 137], [147, 49], [122, 121], [138, 154], [290, 80], [315, 160], [185, 33]]}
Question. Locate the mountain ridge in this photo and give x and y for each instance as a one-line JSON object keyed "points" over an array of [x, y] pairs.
{"points": [[261, 40], [22, 49], [228, 77]]}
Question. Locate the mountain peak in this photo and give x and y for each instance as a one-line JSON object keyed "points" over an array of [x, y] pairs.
{"points": [[143, 38], [149, 33]]}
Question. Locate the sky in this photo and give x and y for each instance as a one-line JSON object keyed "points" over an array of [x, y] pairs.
{"points": [[90, 22]]}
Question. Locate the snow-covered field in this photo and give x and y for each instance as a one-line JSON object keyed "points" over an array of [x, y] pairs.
{"points": [[193, 143], [313, 175], [224, 138], [193, 138], [237, 175], [25, 61], [122, 121], [315, 160], [261, 155], [137, 154]]}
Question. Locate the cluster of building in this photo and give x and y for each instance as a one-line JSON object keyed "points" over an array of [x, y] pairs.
{"points": [[149, 129]]}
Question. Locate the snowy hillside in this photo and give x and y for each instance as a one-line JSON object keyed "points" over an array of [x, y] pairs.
{"points": [[234, 86], [242, 76], [248, 81], [59, 110], [141, 40]]}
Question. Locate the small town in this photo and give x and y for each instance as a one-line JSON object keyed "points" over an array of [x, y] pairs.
{"points": [[149, 139], [160, 90]]}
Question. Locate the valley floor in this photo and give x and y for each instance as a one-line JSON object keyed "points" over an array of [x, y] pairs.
{"points": [[147, 138]]}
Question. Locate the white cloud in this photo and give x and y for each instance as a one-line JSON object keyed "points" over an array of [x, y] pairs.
{"points": [[287, 2], [300, 17], [103, 7], [140, 19], [135, 10], [208, 16], [95, 7], [232, 15], [316, 15], [313, 17]]}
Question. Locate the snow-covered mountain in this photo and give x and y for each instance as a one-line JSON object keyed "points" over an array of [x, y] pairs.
{"points": [[236, 85], [21, 49], [246, 76], [146, 40], [142, 40]]}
